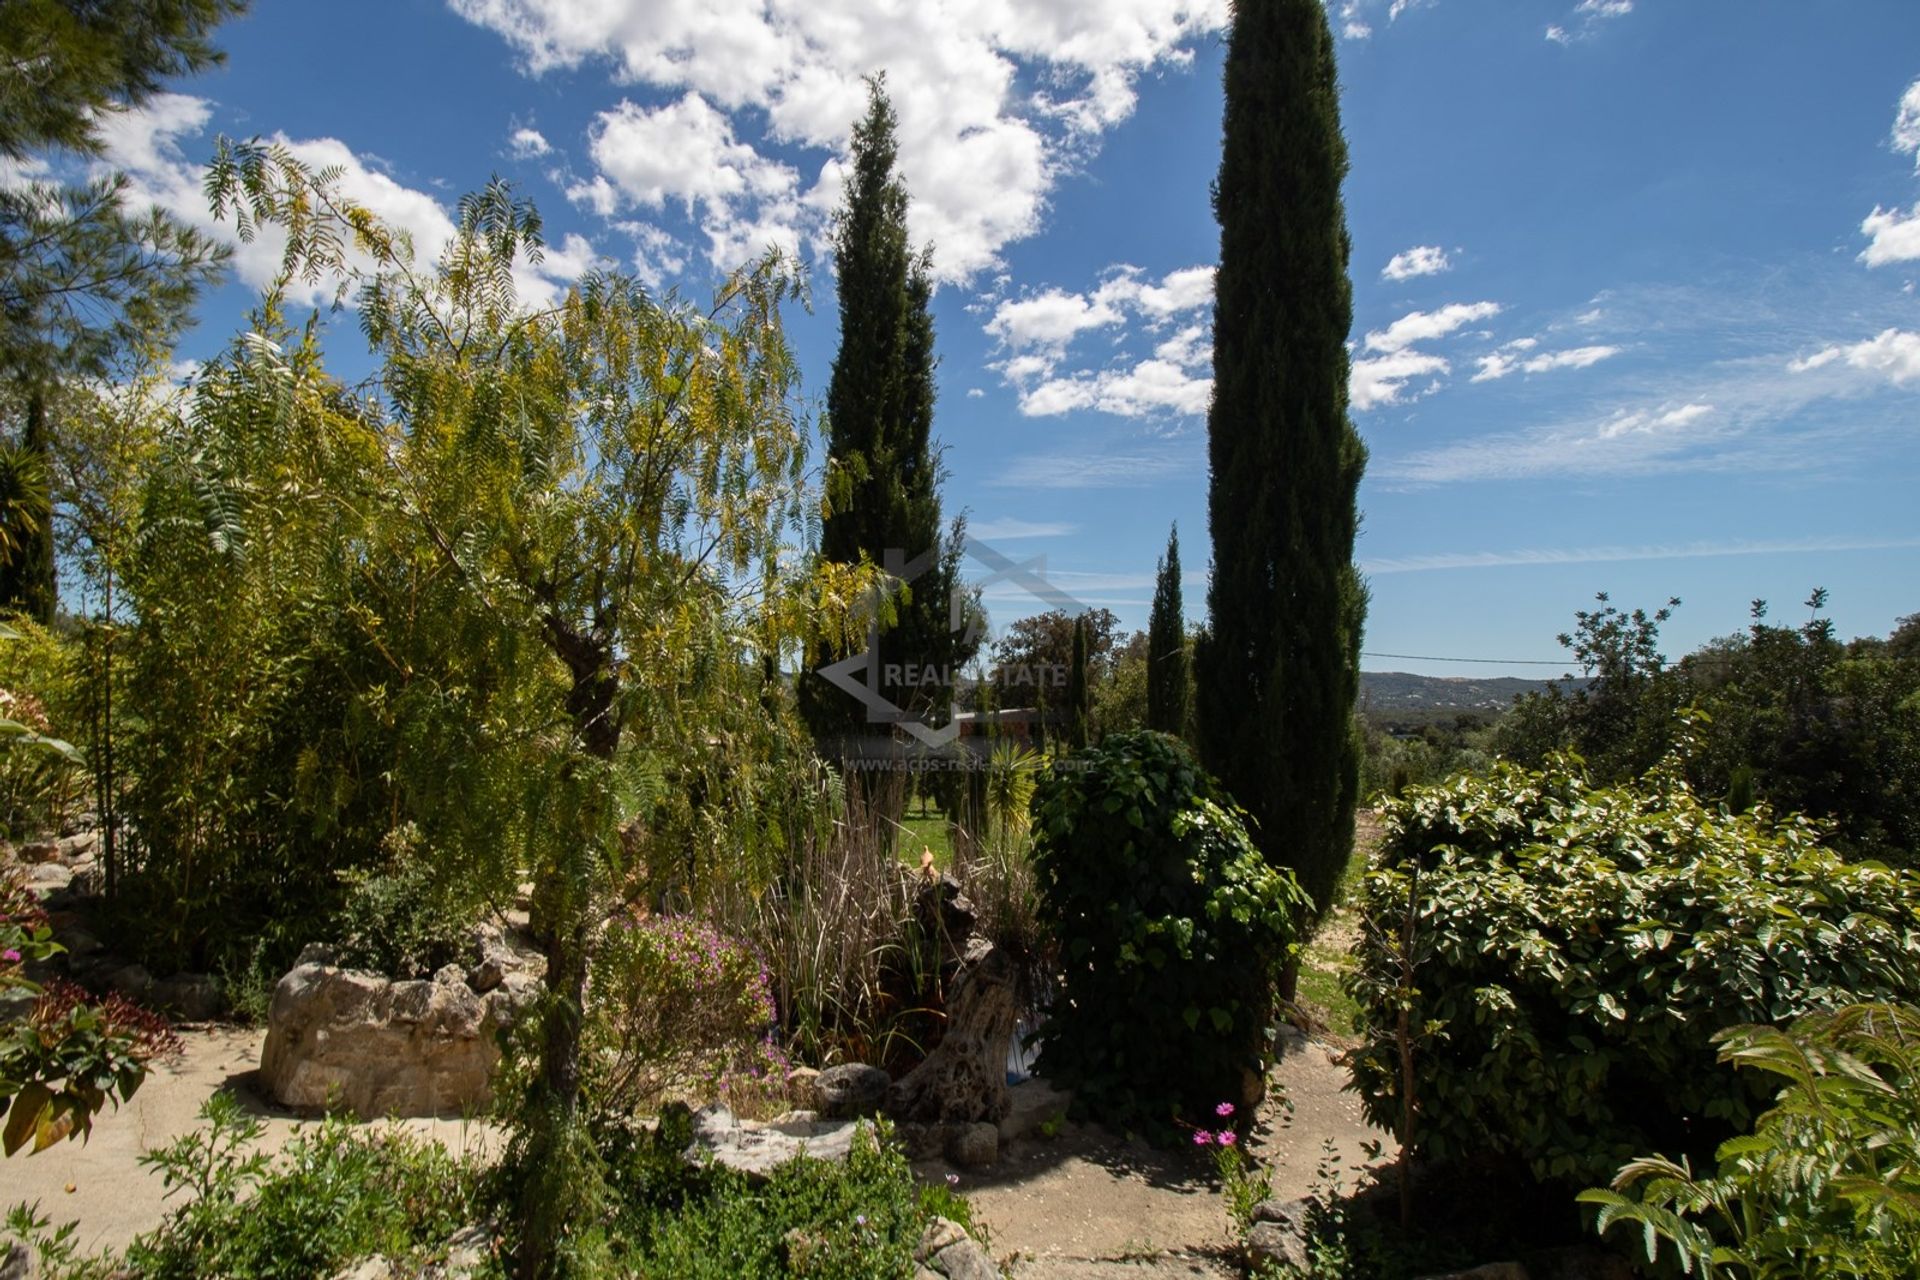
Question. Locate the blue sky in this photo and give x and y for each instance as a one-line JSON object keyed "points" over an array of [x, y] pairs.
{"points": [[1634, 299]]}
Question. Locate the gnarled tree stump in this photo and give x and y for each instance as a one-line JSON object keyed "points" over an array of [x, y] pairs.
{"points": [[964, 1079]]}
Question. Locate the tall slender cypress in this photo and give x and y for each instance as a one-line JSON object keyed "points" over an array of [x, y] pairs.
{"points": [[1079, 689], [1279, 671], [1167, 677], [883, 471]]}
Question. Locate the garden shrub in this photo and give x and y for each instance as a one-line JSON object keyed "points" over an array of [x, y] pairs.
{"points": [[335, 1194], [854, 1221], [675, 1005], [1827, 1184], [1573, 949], [1171, 928], [63, 1054]]}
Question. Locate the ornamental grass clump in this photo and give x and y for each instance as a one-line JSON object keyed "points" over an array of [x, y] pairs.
{"points": [[1171, 931], [1543, 964]]}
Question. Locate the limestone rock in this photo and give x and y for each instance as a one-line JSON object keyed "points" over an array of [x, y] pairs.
{"points": [[850, 1090], [965, 1259], [1288, 1213], [1277, 1244], [39, 851], [49, 878], [940, 1233], [193, 997], [75, 847], [354, 1039], [758, 1149], [18, 1263], [494, 958], [974, 1146], [132, 981]]}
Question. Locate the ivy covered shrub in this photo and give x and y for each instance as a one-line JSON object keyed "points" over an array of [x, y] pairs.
{"points": [[1172, 931], [1828, 1182], [1556, 957]]}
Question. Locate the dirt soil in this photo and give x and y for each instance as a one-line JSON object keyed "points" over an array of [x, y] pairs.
{"points": [[1091, 1206], [101, 1184], [1085, 1205]]}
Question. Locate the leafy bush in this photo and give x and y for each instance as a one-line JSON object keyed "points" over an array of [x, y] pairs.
{"points": [[1171, 930], [1555, 957], [407, 919], [675, 1004], [851, 1221], [334, 1194], [1827, 1184], [69, 1054], [39, 772]]}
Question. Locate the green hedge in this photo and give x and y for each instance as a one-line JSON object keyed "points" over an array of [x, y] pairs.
{"points": [[1574, 950], [1171, 928]]}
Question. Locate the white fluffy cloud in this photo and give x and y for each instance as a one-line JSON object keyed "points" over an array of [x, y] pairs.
{"points": [[147, 145], [1421, 260], [1380, 380], [1425, 326], [1906, 123], [1891, 236], [1510, 359], [1893, 353], [528, 144], [1587, 15], [993, 96], [1038, 330]]}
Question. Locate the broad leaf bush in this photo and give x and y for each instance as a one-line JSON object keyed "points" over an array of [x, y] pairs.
{"points": [[1828, 1182], [1571, 950], [1172, 931]]}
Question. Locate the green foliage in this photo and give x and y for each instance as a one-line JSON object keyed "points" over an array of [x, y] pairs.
{"points": [[334, 1194], [1828, 1182], [1120, 698], [69, 1054], [1559, 954], [1171, 929], [1792, 716], [1168, 680], [1079, 690], [854, 1221], [674, 1005], [407, 919], [882, 500], [39, 770], [1278, 677]]}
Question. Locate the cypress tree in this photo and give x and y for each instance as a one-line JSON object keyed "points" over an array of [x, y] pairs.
{"points": [[1167, 677], [883, 472], [1279, 672], [1079, 692]]}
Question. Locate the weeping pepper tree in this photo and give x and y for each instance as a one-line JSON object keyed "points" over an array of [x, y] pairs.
{"points": [[610, 480]]}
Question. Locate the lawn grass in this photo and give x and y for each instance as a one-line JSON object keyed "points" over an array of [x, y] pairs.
{"points": [[926, 830]]}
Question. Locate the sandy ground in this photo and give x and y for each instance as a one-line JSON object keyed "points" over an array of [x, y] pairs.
{"points": [[102, 1185], [1088, 1206], [1082, 1206]]}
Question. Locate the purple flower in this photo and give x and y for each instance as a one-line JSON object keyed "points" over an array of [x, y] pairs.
{"points": [[1201, 1137], [860, 1219], [1224, 1110], [1227, 1138], [10, 956], [953, 1179]]}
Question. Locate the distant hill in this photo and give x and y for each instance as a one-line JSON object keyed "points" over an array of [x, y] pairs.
{"points": [[1393, 691]]}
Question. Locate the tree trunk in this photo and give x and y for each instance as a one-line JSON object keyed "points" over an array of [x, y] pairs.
{"points": [[964, 1079]]}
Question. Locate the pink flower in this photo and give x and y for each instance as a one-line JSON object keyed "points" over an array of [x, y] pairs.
{"points": [[1224, 1110], [1201, 1137], [1227, 1138], [10, 956]]}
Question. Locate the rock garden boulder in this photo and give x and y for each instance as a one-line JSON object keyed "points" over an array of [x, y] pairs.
{"points": [[347, 1038]]}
